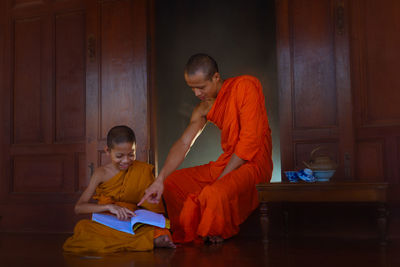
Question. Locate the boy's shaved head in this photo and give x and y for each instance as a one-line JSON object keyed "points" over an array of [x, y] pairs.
{"points": [[201, 62], [120, 134]]}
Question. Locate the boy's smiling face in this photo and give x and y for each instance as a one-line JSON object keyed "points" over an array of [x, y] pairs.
{"points": [[122, 155]]}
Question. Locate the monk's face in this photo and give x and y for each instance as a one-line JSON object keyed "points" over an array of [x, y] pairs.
{"points": [[122, 155], [204, 88]]}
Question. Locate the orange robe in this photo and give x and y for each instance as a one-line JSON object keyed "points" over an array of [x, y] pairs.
{"points": [[124, 189], [198, 204]]}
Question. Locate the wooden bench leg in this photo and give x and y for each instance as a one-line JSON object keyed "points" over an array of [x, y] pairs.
{"points": [[264, 221], [382, 223], [286, 220]]}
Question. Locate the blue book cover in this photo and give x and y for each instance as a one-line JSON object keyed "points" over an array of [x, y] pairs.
{"points": [[142, 217]]}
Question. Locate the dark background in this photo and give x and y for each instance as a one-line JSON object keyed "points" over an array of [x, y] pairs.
{"points": [[240, 37]]}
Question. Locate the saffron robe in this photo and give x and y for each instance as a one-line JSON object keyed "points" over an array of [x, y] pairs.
{"points": [[198, 204], [124, 189]]}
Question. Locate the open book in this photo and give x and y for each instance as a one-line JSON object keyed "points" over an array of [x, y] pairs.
{"points": [[142, 217]]}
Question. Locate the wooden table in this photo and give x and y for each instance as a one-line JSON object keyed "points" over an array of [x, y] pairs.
{"points": [[321, 192]]}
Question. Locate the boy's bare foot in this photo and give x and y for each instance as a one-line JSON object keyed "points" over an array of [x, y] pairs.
{"points": [[163, 242], [213, 240]]}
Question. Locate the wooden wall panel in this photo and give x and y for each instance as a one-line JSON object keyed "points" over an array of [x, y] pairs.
{"points": [[43, 112], [398, 161], [5, 80], [141, 110], [381, 62], [313, 57], [39, 173], [103, 158], [28, 90], [376, 87], [302, 151], [70, 77], [117, 63], [83, 180], [370, 166], [24, 3], [61, 217], [118, 87], [314, 82], [53, 104]]}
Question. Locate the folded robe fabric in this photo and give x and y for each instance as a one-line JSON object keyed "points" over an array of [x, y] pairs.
{"points": [[124, 189], [198, 204]]}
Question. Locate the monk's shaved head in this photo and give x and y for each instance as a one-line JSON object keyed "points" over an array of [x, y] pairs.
{"points": [[203, 63]]}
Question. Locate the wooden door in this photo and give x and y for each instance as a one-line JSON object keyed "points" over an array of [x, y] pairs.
{"points": [[71, 70], [314, 83], [118, 80], [43, 114], [375, 42]]}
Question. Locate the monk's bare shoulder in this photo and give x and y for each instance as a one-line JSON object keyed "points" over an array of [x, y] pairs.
{"points": [[203, 108]]}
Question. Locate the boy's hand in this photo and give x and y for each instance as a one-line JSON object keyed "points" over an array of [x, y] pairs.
{"points": [[122, 213], [153, 193]]}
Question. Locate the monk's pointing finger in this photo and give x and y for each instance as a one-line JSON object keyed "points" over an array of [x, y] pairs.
{"points": [[143, 199], [154, 200]]}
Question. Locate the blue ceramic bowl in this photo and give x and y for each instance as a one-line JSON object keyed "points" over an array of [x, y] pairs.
{"points": [[323, 176], [292, 176], [306, 175]]}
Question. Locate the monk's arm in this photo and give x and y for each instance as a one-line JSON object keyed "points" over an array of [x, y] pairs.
{"points": [[234, 163], [181, 147], [177, 154], [83, 206]]}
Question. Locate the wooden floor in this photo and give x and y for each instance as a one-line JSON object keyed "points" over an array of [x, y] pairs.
{"points": [[45, 250]]}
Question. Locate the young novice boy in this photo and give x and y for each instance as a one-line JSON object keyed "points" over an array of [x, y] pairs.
{"points": [[117, 187]]}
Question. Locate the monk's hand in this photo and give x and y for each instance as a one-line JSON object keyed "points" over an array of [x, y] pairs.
{"points": [[153, 193], [122, 213]]}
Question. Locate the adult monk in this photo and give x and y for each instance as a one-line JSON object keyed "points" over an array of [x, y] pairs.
{"points": [[212, 200]]}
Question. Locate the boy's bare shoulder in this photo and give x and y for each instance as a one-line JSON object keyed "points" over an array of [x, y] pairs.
{"points": [[103, 173]]}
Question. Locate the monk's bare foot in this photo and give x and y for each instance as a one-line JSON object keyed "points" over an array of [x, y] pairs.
{"points": [[163, 242], [213, 240]]}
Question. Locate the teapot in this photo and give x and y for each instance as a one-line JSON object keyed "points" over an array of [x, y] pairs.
{"points": [[321, 162]]}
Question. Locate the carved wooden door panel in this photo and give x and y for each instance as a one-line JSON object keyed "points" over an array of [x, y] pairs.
{"points": [[117, 82], [375, 43], [43, 113], [72, 69], [315, 93]]}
